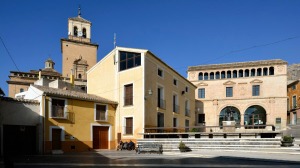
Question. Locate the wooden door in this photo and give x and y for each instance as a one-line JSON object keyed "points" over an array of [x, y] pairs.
{"points": [[56, 139], [100, 137]]}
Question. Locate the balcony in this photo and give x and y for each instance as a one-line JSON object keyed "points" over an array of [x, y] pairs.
{"points": [[175, 108], [187, 112], [161, 103]]}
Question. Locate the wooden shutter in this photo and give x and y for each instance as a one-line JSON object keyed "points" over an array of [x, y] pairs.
{"points": [[128, 95], [129, 125]]}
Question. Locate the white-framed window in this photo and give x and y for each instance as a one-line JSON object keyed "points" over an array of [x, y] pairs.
{"points": [[128, 95], [57, 108], [101, 112]]}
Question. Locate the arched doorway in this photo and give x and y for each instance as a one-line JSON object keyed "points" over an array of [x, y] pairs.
{"points": [[255, 116], [230, 113]]}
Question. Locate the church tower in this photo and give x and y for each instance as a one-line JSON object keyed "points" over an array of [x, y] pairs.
{"points": [[78, 53]]}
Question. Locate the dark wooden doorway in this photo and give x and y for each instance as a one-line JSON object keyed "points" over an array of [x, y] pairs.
{"points": [[100, 137], [56, 139]]}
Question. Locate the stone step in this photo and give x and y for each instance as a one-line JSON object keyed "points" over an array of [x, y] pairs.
{"points": [[195, 144]]}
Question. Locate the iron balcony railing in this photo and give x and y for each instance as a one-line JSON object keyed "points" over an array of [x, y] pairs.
{"points": [[161, 103], [175, 108], [187, 112]]}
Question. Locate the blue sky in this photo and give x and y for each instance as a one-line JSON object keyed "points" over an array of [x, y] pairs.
{"points": [[181, 32]]}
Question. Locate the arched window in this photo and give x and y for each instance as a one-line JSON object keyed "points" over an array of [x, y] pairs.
{"points": [[75, 31], [228, 74], [211, 76], [84, 32], [234, 75], [265, 71], [258, 72], [218, 75], [79, 76], [230, 113], [271, 71], [252, 72], [241, 73], [223, 75], [21, 90], [205, 76], [200, 76], [247, 73], [255, 116]]}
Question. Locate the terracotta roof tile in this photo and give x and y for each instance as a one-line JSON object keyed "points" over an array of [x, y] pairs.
{"points": [[73, 94]]}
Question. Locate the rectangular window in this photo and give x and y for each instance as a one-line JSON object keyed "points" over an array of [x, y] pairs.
{"points": [[201, 93], [57, 108], [201, 118], [294, 102], [160, 72], [187, 125], [128, 126], [255, 90], [128, 97], [161, 103], [187, 108], [229, 91], [175, 82], [101, 112], [186, 89], [175, 104], [174, 122], [293, 87], [129, 60]]}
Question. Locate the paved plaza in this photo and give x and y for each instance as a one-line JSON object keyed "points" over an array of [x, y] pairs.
{"points": [[282, 157]]}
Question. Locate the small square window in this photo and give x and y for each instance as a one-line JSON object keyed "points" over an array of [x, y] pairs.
{"points": [[101, 112]]}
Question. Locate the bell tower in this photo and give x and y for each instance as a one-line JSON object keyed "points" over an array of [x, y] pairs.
{"points": [[77, 46]]}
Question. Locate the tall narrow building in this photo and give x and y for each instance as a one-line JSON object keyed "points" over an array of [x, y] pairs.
{"points": [[79, 54]]}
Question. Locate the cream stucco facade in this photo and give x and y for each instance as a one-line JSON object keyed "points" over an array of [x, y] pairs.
{"points": [[135, 87], [255, 92]]}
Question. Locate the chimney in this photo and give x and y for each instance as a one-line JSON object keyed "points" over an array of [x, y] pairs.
{"points": [[40, 74], [72, 78]]}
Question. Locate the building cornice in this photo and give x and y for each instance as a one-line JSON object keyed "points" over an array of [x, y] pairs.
{"points": [[238, 65]]}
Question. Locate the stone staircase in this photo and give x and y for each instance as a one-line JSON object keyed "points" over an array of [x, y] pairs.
{"points": [[171, 144]]}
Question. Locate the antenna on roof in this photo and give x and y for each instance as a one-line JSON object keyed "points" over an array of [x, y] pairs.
{"points": [[115, 40], [79, 12]]}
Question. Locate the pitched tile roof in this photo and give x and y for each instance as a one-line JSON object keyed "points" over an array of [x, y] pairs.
{"points": [[73, 94], [80, 19]]}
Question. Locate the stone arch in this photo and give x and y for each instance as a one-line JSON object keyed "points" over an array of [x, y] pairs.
{"points": [[75, 31], [254, 116], [200, 76], [84, 32], [230, 113]]}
